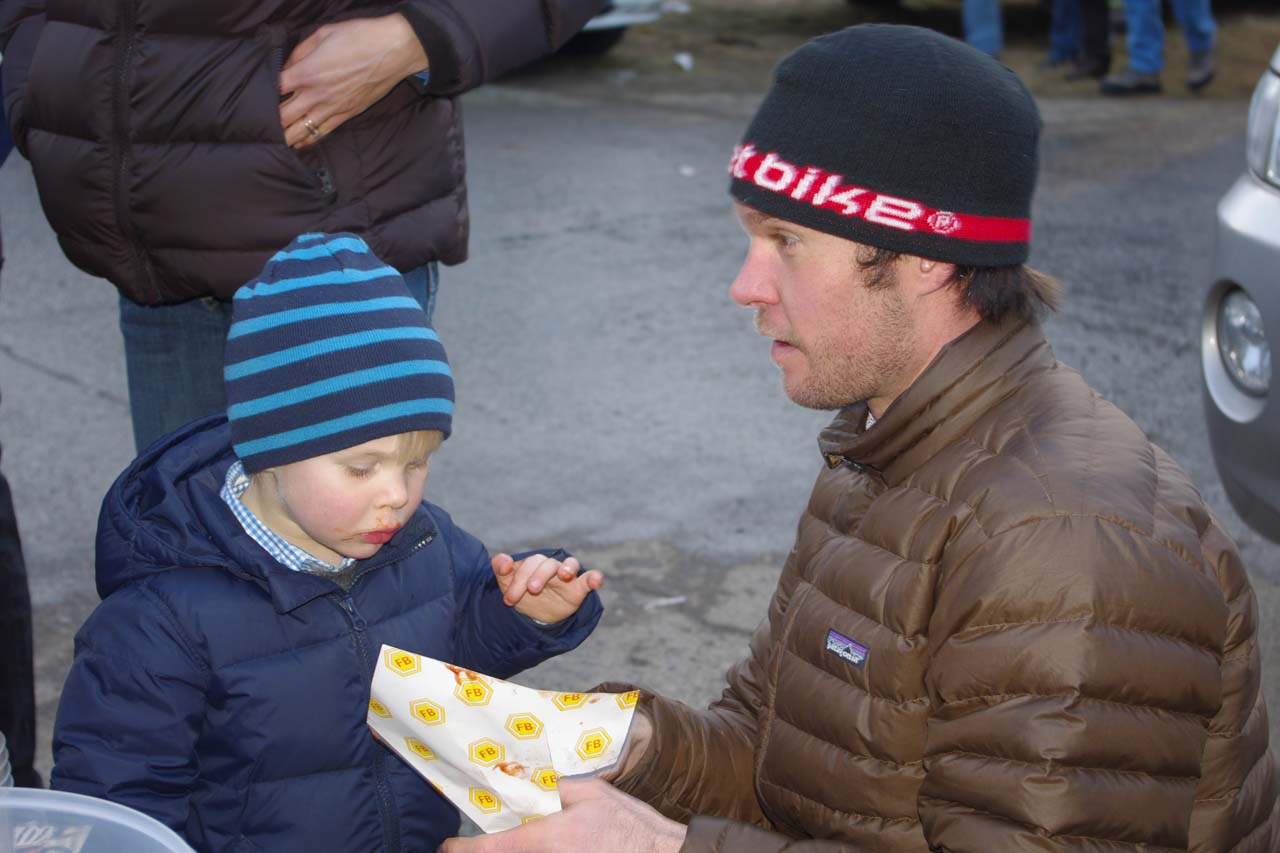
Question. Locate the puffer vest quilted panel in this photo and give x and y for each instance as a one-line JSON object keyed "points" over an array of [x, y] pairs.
{"points": [[864, 721], [161, 161]]}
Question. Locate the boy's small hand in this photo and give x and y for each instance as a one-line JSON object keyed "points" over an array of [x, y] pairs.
{"points": [[543, 588]]}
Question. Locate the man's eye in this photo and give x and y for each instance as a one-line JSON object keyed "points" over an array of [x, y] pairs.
{"points": [[785, 241], [359, 472]]}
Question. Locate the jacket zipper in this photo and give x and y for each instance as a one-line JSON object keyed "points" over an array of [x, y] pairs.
{"points": [[386, 803], [390, 825], [124, 55], [323, 175], [326, 179]]}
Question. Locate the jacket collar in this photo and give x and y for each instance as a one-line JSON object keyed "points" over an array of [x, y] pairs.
{"points": [[968, 377]]}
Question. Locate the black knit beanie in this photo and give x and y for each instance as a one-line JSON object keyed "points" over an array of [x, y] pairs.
{"points": [[899, 138]]}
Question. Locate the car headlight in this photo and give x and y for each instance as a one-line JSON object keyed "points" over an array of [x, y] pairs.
{"points": [[1262, 150], [1242, 343]]}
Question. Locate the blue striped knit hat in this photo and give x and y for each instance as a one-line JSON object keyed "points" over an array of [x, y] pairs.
{"points": [[328, 350]]}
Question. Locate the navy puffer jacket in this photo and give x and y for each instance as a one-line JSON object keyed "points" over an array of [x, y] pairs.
{"points": [[226, 695]]}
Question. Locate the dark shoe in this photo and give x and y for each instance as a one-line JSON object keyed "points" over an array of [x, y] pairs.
{"points": [[1200, 70], [1130, 82], [1091, 66]]}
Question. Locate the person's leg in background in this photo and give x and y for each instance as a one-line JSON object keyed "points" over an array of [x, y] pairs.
{"points": [[173, 359], [423, 283], [1095, 41], [17, 665], [1064, 33], [1195, 17], [17, 680], [1145, 41], [983, 27]]}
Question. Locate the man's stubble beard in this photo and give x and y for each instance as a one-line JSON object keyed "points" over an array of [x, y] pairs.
{"points": [[843, 371]]}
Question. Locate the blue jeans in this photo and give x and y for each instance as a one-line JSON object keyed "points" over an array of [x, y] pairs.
{"points": [[1066, 29], [173, 356], [983, 27], [1146, 30]]}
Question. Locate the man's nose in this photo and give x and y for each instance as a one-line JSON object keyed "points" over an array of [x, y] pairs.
{"points": [[751, 286]]}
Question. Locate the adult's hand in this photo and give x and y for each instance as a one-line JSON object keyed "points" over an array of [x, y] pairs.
{"points": [[341, 70], [596, 816]]}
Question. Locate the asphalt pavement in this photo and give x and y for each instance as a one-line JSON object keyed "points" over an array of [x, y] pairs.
{"points": [[611, 398]]}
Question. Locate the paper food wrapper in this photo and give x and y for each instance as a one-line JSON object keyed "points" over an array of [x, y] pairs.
{"points": [[495, 749]]}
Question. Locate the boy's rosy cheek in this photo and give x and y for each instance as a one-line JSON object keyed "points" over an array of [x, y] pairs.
{"points": [[337, 513]]}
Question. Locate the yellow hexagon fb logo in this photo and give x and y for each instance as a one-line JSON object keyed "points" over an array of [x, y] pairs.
{"points": [[376, 707], [486, 752], [485, 800], [546, 778], [569, 701], [473, 692], [419, 749], [628, 699], [524, 726], [402, 662], [427, 711], [593, 743]]}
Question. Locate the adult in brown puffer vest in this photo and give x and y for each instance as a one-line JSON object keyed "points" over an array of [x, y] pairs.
{"points": [[1009, 622], [155, 134]]}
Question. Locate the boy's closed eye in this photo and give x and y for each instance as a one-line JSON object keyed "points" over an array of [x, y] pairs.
{"points": [[361, 471]]}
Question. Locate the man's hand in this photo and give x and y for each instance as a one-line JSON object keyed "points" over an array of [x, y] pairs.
{"points": [[596, 817], [542, 588], [341, 70]]}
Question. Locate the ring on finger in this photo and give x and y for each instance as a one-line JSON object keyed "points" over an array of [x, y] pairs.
{"points": [[311, 128]]}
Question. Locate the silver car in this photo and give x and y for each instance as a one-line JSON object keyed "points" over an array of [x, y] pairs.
{"points": [[1242, 322]]}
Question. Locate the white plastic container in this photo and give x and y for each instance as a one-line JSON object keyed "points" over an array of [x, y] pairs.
{"points": [[39, 821]]}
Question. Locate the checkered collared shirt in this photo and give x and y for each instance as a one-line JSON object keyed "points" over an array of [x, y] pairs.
{"points": [[286, 553]]}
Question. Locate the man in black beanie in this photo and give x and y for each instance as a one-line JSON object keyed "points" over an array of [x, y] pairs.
{"points": [[1008, 621]]}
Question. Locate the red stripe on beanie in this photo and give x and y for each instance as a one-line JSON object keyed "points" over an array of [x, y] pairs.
{"points": [[827, 191]]}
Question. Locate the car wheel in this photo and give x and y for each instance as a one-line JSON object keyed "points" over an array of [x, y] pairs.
{"points": [[593, 42]]}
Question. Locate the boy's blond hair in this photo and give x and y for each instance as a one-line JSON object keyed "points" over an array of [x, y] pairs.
{"points": [[417, 444], [410, 447]]}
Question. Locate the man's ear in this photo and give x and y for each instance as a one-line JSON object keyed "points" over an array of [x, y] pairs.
{"points": [[926, 276]]}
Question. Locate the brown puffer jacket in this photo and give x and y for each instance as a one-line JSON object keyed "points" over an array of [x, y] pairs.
{"points": [[153, 130], [1009, 623]]}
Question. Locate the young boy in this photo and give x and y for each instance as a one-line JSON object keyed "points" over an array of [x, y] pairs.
{"points": [[252, 566]]}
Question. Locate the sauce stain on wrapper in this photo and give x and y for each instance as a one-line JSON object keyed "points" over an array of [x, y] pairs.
{"points": [[512, 768], [459, 674]]}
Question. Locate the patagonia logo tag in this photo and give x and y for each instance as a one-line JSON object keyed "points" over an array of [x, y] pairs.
{"points": [[854, 653]]}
